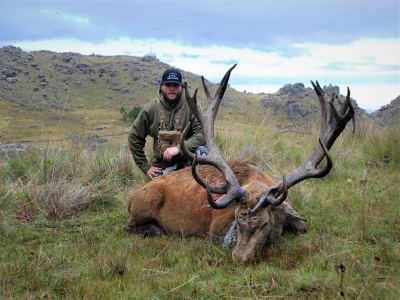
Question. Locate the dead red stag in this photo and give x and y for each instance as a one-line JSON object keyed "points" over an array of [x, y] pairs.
{"points": [[188, 202]]}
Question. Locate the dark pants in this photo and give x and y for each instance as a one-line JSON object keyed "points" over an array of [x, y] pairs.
{"points": [[202, 151]]}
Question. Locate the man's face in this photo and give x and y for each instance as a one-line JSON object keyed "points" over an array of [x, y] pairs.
{"points": [[171, 91]]}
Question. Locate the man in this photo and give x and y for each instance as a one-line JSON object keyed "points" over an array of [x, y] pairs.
{"points": [[164, 118]]}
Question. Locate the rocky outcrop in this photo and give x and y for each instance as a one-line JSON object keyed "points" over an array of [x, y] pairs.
{"points": [[297, 102], [292, 100], [388, 115], [296, 90]]}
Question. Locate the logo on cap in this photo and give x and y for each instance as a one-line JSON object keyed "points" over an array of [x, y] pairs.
{"points": [[173, 76]]}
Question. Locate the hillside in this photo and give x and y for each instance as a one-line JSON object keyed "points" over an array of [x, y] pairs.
{"points": [[43, 92], [389, 115], [46, 95]]}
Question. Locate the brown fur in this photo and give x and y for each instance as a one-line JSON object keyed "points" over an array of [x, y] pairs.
{"points": [[166, 200]]}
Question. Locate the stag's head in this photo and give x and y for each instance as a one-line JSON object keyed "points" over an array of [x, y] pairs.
{"points": [[255, 200], [252, 230]]}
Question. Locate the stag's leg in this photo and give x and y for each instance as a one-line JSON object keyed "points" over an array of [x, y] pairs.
{"points": [[148, 229], [144, 207]]}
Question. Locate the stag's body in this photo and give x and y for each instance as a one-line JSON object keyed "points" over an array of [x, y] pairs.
{"points": [[179, 204]]}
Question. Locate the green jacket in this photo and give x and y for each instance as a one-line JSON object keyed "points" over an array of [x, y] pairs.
{"points": [[147, 124]]}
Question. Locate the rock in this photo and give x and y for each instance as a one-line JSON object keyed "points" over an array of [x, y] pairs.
{"points": [[12, 150], [148, 58], [82, 66], [134, 76], [296, 90], [388, 115], [295, 110], [8, 72], [331, 90]]}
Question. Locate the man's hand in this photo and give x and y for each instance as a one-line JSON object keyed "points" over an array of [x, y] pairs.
{"points": [[170, 152], [153, 172]]}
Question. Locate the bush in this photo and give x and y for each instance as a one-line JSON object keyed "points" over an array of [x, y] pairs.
{"points": [[132, 114]]}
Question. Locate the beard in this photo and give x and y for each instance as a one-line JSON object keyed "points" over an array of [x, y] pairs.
{"points": [[171, 101]]}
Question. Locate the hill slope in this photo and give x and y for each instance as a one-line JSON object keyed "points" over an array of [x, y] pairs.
{"points": [[46, 95], [389, 115]]}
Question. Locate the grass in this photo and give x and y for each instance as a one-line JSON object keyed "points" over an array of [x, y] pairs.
{"points": [[62, 217]]}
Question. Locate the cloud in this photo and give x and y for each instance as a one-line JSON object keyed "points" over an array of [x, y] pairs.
{"points": [[257, 24], [75, 18]]}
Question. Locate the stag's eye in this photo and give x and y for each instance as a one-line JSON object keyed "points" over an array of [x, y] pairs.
{"points": [[264, 225]]}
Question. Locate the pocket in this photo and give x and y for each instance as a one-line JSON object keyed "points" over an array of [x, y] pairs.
{"points": [[168, 139]]}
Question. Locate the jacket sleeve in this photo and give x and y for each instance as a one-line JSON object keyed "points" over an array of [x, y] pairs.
{"points": [[137, 141]]}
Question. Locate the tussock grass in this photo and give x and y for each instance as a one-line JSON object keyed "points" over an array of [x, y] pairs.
{"points": [[56, 184], [62, 214], [380, 147]]}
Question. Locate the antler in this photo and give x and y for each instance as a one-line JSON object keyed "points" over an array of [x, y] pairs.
{"points": [[215, 158], [332, 124]]}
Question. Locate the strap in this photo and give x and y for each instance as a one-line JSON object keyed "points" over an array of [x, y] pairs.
{"points": [[161, 115], [164, 123], [178, 116]]}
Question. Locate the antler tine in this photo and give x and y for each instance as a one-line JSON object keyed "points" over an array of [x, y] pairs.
{"points": [[192, 102], [216, 189], [332, 125], [215, 158], [332, 121], [345, 105], [213, 103], [208, 95]]}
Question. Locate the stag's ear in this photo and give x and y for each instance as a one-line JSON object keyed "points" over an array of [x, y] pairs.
{"points": [[287, 211], [292, 221]]}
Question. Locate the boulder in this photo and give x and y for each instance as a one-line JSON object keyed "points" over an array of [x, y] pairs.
{"points": [[8, 72]]}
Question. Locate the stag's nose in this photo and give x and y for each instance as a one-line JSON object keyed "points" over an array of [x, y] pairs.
{"points": [[243, 255]]}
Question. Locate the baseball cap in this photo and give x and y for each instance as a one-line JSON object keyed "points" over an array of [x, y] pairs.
{"points": [[172, 75]]}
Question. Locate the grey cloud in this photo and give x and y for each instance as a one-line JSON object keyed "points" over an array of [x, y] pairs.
{"points": [[254, 23], [187, 55], [224, 62]]}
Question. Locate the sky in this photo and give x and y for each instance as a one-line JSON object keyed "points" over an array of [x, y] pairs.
{"points": [[347, 43]]}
